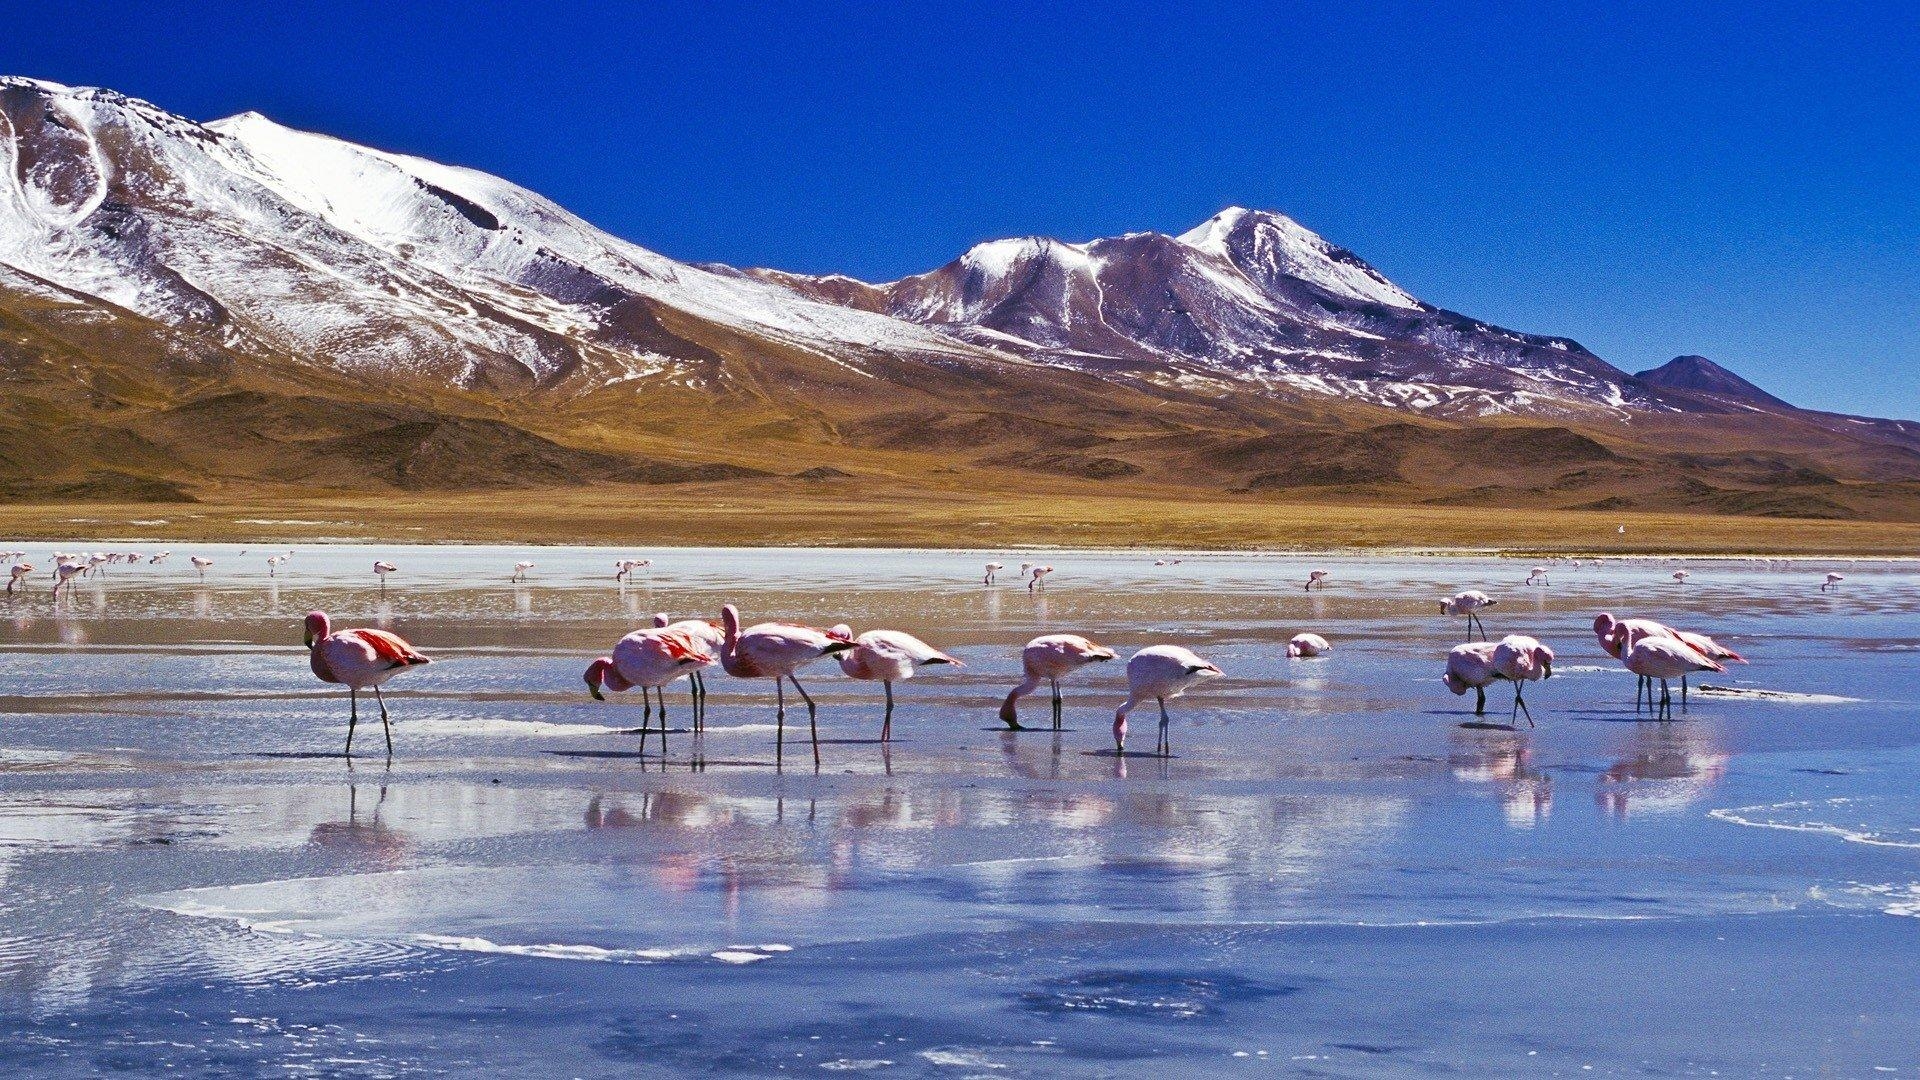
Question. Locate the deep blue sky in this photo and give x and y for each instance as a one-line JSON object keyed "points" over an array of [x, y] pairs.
{"points": [[1651, 180]]}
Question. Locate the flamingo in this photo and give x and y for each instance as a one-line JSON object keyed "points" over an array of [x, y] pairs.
{"points": [[200, 563], [358, 659], [992, 569], [1680, 577], [273, 563], [1666, 658], [649, 659], [775, 651], [381, 569], [16, 574], [1039, 577], [1469, 603], [884, 656], [1307, 645], [711, 637], [98, 561], [1616, 635], [1158, 672], [624, 569], [520, 571], [159, 558], [1317, 578], [1833, 582], [1470, 666], [1538, 576], [1050, 657], [1521, 659]]}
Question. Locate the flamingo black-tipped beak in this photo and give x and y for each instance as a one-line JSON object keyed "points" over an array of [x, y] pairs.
{"points": [[309, 638], [1549, 669], [594, 689]]}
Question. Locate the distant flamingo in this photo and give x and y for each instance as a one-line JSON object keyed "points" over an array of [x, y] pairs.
{"points": [[273, 564], [775, 651], [160, 558], [649, 659], [623, 570], [358, 660], [520, 571], [711, 638], [1521, 659], [1470, 666], [1833, 582], [1665, 658], [1681, 576], [16, 574], [884, 656], [1317, 579], [382, 568], [1307, 645], [992, 569], [1537, 577], [1050, 658], [1156, 673], [201, 564], [1039, 577], [1469, 603]]}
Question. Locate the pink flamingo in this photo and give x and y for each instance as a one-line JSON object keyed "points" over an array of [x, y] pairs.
{"points": [[1469, 603], [381, 568], [1470, 666], [992, 569], [1307, 645], [358, 660], [1317, 579], [201, 564], [649, 659], [1050, 657], [520, 570], [1666, 658], [1158, 672], [1616, 635], [1537, 577], [883, 656], [1520, 660], [1038, 580], [1680, 577], [711, 638], [16, 574], [66, 572], [775, 651], [1833, 582]]}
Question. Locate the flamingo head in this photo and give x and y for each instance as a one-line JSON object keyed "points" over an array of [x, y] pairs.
{"points": [[1454, 683], [730, 621], [596, 676], [661, 618], [1204, 669], [316, 627], [841, 632]]}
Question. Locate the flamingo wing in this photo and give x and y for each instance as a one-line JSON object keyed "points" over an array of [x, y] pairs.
{"points": [[390, 647]]}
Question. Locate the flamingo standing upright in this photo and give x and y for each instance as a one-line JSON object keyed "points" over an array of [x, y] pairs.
{"points": [[1158, 672], [273, 564], [200, 564], [775, 651], [885, 656], [1665, 658], [1470, 666], [381, 568], [649, 659], [1317, 579], [1050, 658], [358, 660], [992, 569], [520, 570], [16, 573], [1307, 645], [711, 637], [1833, 582], [1469, 603], [1520, 660]]}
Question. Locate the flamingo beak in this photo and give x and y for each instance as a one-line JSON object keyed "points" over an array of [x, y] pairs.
{"points": [[309, 636]]}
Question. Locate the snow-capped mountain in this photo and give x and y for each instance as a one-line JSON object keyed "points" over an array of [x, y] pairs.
{"points": [[378, 264], [1246, 298]]}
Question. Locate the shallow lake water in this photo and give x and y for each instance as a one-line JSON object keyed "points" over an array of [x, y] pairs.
{"points": [[1330, 876]]}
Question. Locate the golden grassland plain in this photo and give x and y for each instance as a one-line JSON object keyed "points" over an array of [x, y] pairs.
{"points": [[851, 513]]}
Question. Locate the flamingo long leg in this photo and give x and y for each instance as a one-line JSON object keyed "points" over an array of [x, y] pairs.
{"points": [[813, 722], [353, 717], [886, 724], [385, 724], [1166, 744]]}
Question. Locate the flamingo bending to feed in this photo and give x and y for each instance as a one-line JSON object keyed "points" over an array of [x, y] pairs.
{"points": [[1520, 660], [1308, 645], [884, 656], [1681, 576], [1666, 658], [1537, 577], [775, 651], [624, 569], [14, 576], [160, 558], [711, 638], [1050, 658], [1039, 577], [1158, 672], [1469, 603], [1470, 666], [992, 569], [649, 659], [358, 660], [1317, 579], [520, 571], [1833, 582], [66, 572], [382, 568]]}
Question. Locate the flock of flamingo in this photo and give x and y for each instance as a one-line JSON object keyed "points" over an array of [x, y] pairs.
{"points": [[655, 657]]}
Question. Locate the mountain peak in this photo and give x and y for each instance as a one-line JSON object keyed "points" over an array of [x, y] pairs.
{"points": [[1701, 375], [1269, 247]]}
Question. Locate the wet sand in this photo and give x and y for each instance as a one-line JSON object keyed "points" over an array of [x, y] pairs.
{"points": [[1331, 876]]}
